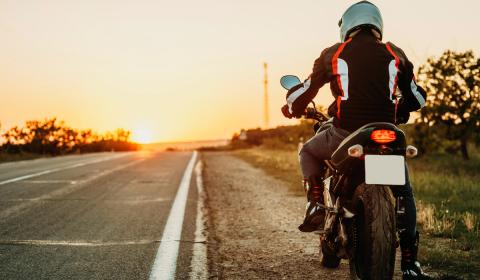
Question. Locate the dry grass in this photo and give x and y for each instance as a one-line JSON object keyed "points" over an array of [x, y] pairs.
{"points": [[471, 222], [430, 221], [426, 216]]}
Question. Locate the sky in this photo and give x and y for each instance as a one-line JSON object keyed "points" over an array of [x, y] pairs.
{"points": [[188, 70]]}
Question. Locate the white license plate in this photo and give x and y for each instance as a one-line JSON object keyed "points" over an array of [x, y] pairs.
{"points": [[384, 170]]}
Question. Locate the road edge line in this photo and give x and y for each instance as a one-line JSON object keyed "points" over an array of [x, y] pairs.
{"points": [[198, 265], [165, 264]]}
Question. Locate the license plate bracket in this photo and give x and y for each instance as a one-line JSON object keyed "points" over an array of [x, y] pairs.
{"points": [[385, 170]]}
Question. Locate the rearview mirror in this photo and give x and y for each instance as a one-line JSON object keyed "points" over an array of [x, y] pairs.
{"points": [[289, 81]]}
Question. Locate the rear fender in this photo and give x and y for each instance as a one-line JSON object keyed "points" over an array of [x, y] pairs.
{"points": [[342, 161]]}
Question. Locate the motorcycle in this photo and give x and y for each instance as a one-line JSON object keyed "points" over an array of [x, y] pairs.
{"points": [[362, 217]]}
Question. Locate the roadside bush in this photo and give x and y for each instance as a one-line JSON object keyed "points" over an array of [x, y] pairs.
{"points": [[52, 137]]}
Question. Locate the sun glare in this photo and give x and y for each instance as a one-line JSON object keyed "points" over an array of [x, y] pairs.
{"points": [[142, 136]]}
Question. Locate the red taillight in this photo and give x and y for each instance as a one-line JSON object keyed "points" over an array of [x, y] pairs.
{"points": [[383, 136]]}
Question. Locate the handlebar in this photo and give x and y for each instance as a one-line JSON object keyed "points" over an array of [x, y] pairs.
{"points": [[312, 113]]}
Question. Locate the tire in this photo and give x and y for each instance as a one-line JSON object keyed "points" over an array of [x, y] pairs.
{"points": [[374, 256], [328, 258]]}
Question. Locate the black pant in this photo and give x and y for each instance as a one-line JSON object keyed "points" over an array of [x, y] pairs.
{"points": [[321, 147]]}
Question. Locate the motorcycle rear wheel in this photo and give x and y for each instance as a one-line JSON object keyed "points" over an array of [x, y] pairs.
{"points": [[374, 256]]}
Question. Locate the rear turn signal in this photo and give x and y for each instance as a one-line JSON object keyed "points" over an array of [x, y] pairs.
{"points": [[383, 136], [355, 151], [411, 151]]}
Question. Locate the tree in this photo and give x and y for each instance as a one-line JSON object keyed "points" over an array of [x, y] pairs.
{"points": [[452, 83]]}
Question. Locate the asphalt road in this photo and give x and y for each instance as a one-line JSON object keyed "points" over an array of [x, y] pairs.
{"points": [[96, 216]]}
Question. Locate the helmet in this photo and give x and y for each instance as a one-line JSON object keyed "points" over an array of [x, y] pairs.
{"points": [[358, 15]]}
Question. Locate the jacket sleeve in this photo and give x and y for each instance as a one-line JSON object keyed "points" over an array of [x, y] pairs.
{"points": [[413, 95], [299, 96]]}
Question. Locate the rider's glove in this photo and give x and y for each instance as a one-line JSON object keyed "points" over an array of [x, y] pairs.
{"points": [[286, 112]]}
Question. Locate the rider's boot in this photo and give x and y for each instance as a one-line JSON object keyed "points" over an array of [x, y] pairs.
{"points": [[410, 266], [315, 213]]}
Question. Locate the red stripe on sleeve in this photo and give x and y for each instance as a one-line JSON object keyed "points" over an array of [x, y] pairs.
{"points": [[335, 73], [397, 63]]}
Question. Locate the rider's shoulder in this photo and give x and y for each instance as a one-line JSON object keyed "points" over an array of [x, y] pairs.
{"points": [[400, 54], [395, 48]]}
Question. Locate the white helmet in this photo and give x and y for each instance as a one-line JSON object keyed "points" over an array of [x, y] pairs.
{"points": [[360, 14]]}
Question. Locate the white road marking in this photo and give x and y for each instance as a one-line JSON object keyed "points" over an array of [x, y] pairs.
{"points": [[113, 201], [50, 182], [75, 243], [165, 264], [81, 243], [63, 191], [48, 171], [199, 269]]}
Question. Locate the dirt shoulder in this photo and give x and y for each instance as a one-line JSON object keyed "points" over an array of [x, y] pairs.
{"points": [[253, 225]]}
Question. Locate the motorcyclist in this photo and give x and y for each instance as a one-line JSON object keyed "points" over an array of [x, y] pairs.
{"points": [[371, 81]]}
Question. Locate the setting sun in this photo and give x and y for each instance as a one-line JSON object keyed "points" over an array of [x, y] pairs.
{"points": [[142, 135]]}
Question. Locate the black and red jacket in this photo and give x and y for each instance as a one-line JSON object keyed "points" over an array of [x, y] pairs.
{"points": [[371, 82]]}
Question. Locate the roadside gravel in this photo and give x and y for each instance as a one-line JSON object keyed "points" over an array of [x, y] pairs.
{"points": [[253, 225]]}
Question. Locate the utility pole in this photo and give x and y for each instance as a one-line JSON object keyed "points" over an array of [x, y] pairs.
{"points": [[265, 96]]}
